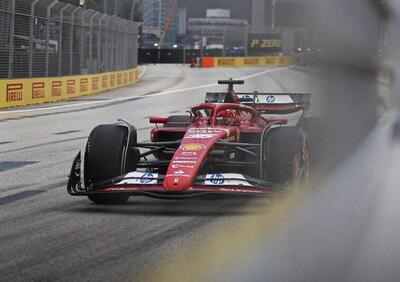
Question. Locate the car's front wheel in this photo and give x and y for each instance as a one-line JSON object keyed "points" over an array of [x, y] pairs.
{"points": [[108, 154]]}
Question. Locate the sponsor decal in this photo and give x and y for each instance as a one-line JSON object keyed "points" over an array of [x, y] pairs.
{"points": [[95, 83], [217, 179], [185, 158], [56, 88], [71, 86], [143, 178], [180, 175], [270, 61], [193, 147], [104, 81], [182, 166], [208, 130], [112, 79], [184, 162], [126, 77], [275, 99], [226, 62], [259, 44], [147, 178], [226, 179], [84, 85], [14, 92], [119, 78], [270, 99], [246, 98], [251, 61], [205, 130], [187, 153], [179, 172], [38, 90], [199, 136]]}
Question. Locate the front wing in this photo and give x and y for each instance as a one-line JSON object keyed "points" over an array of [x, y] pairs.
{"points": [[151, 184]]}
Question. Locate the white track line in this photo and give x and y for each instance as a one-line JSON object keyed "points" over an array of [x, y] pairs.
{"points": [[143, 72], [151, 95]]}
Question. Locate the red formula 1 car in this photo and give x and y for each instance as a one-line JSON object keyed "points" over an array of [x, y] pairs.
{"points": [[234, 143]]}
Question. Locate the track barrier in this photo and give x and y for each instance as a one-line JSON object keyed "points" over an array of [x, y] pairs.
{"points": [[23, 92], [210, 62]]}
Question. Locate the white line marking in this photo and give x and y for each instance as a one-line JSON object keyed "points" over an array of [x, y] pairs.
{"points": [[151, 95], [143, 72]]}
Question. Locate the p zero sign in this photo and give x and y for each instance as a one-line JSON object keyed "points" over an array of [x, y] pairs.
{"points": [[264, 43]]}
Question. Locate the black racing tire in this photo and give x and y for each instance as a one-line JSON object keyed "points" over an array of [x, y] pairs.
{"points": [[283, 148], [105, 150], [178, 121]]}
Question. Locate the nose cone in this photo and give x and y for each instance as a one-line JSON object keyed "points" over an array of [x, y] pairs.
{"points": [[188, 159], [177, 183]]}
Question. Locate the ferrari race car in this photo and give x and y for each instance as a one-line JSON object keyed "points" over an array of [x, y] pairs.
{"points": [[233, 143]]}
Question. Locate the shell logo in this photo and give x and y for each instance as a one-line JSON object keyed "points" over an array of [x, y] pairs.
{"points": [[193, 147]]}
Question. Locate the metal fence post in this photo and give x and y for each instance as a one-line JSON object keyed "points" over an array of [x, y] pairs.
{"points": [[48, 18], [82, 41], [31, 27], [120, 45], [11, 51], [106, 53], [61, 38], [100, 67], [90, 67], [71, 49], [112, 43], [246, 40]]}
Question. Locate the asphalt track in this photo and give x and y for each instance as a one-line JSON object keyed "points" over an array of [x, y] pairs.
{"points": [[47, 235]]}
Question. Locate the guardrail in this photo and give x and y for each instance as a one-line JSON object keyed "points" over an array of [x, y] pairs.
{"points": [[22, 92], [209, 62]]}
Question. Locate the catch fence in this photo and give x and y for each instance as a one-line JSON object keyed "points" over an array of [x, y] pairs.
{"points": [[46, 38]]}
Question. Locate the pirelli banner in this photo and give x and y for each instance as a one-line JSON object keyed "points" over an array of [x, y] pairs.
{"points": [[252, 61], [22, 92], [264, 44]]}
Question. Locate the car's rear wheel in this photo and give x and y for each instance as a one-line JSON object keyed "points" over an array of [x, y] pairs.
{"points": [[285, 155], [109, 154]]}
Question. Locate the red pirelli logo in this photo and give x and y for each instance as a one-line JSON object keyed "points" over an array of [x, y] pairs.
{"points": [[95, 83], [38, 90], [270, 61], [14, 92], [84, 84], [251, 61], [70, 86], [112, 80], [119, 78], [56, 88], [226, 62], [104, 81]]}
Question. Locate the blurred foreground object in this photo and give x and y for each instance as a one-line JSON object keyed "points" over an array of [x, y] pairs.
{"points": [[346, 227]]}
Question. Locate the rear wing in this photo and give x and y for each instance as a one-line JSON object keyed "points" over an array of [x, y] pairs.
{"points": [[269, 102], [276, 102]]}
